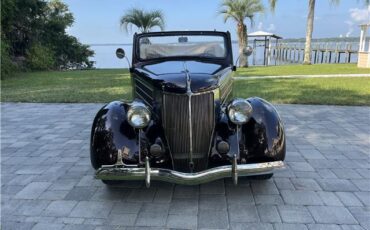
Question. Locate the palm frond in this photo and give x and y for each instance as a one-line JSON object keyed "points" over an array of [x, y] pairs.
{"points": [[273, 4], [239, 10], [143, 20]]}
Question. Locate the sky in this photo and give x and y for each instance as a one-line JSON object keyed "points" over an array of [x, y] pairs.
{"points": [[97, 21]]}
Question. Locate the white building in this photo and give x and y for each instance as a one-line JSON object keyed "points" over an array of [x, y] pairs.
{"points": [[363, 52]]}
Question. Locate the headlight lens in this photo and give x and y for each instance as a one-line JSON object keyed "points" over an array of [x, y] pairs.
{"points": [[240, 111], [138, 115]]}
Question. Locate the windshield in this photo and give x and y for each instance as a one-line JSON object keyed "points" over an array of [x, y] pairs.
{"points": [[209, 46]]}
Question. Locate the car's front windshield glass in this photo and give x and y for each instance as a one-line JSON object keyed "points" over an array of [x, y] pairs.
{"points": [[208, 46]]}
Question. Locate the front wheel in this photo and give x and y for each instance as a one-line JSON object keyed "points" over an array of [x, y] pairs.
{"points": [[262, 177]]}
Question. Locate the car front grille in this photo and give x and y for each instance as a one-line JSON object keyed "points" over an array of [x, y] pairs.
{"points": [[175, 117]]}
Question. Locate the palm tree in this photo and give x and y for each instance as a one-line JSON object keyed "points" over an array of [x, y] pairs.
{"points": [[239, 10], [309, 28], [143, 20]]}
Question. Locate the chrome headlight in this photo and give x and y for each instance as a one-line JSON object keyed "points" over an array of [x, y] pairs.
{"points": [[138, 115], [240, 111]]}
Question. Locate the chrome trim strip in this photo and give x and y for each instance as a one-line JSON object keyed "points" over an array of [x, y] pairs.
{"points": [[193, 94], [144, 92], [226, 82], [144, 84], [226, 89], [139, 95], [113, 172], [189, 93]]}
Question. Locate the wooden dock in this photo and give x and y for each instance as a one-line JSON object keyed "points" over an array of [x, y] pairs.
{"points": [[322, 53]]}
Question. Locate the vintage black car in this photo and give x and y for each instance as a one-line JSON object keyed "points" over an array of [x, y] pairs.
{"points": [[183, 126]]}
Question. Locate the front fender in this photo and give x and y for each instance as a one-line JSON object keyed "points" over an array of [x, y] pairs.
{"points": [[110, 132], [264, 134]]}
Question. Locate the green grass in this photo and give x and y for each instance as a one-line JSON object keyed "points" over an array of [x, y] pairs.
{"points": [[321, 91], [302, 70], [71, 86], [108, 85]]}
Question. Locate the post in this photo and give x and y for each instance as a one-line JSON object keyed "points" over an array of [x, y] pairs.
{"points": [[346, 53], [317, 54], [269, 52], [264, 52], [362, 38], [286, 54], [349, 53], [254, 53], [276, 53], [322, 56]]}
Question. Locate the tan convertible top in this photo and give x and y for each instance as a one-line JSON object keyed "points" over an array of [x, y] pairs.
{"points": [[149, 51]]}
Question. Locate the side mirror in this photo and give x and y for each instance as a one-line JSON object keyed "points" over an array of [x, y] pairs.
{"points": [[120, 53], [248, 51]]}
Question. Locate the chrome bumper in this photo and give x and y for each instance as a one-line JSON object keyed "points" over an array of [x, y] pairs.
{"points": [[124, 172]]}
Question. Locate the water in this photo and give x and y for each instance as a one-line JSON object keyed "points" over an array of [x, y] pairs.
{"points": [[105, 54]]}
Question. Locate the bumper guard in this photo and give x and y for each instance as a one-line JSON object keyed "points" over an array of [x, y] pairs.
{"points": [[126, 172]]}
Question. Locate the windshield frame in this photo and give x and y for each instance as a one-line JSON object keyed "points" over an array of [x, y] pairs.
{"points": [[227, 59]]}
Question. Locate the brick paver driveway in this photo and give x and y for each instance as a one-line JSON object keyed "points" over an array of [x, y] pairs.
{"points": [[47, 180]]}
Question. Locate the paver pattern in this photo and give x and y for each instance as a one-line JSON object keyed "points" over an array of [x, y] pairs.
{"points": [[47, 181]]}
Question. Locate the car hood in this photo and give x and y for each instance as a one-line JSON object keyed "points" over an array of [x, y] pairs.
{"points": [[171, 76]]}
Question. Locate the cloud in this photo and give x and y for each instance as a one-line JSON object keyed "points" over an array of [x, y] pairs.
{"points": [[349, 32], [350, 28], [357, 16], [360, 15], [271, 27]]}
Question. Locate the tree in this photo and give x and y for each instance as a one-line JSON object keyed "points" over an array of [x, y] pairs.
{"points": [[21, 22], [239, 10], [69, 52], [309, 27], [34, 36], [143, 20], [309, 30]]}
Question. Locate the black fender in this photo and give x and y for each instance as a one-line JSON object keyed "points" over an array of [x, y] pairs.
{"points": [[264, 134], [111, 131]]}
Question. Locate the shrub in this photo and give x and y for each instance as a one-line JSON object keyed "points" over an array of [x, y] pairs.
{"points": [[40, 57], [7, 66]]}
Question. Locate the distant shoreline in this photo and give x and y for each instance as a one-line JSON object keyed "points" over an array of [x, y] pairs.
{"points": [[297, 40]]}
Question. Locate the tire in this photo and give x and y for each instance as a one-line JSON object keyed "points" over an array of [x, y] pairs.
{"points": [[262, 177], [112, 182]]}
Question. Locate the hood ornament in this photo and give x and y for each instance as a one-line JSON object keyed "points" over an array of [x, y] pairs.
{"points": [[188, 79]]}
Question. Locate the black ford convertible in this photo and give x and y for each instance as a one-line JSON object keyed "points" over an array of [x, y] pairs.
{"points": [[183, 125]]}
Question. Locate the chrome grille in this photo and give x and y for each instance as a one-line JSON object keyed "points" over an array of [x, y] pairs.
{"points": [[176, 124]]}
